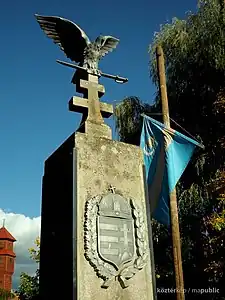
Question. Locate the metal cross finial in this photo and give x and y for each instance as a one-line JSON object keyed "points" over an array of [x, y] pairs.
{"points": [[3, 223], [112, 189]]}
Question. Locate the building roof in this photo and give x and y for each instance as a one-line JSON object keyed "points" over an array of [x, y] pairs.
{"points": [[5, 235]]}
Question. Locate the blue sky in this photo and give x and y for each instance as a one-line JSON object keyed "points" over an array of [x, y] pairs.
{"points": [[35, 90]]}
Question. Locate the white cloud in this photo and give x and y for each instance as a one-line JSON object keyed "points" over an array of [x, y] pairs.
{"points": [[25, 230]]}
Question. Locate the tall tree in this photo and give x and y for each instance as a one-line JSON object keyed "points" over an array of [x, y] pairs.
{"points": [[194, 51]]}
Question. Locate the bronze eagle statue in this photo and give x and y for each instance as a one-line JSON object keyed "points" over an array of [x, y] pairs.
{"points": [[74, 42]]}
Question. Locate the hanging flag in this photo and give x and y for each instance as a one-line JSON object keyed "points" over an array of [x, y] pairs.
{"points": [[166, 155]]}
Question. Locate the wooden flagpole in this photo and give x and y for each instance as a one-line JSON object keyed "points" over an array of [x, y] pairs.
{"points": [[173, 199]]}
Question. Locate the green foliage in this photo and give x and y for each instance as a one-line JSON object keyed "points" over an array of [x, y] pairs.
{"points": [[29, 285], [128, 118], [197, 41], [5, 295], [194, 54], [35, 252], [194, 51]]}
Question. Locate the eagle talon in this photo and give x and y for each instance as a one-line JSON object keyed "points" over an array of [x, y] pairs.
{"points": [[94, 72], [99, 73]]}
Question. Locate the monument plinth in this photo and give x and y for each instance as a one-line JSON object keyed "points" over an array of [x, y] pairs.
{"points": [[95, 232]]}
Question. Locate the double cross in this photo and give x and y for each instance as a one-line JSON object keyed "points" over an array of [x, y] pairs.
{"points": [[93, 110]]}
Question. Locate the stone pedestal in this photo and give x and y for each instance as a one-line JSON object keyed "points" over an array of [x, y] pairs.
{"points": [[77, 176]]}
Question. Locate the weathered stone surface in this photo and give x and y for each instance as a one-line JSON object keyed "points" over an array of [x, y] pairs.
{"points": [[98, 130], [83, 167], [78, 104], [93, 110], [99, 163]]}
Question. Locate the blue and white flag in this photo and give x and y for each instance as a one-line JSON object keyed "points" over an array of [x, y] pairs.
{"points": [[166, 155]]}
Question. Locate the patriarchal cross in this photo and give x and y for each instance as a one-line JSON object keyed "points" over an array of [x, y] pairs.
{"points": [[91, 106], [93, 110]]}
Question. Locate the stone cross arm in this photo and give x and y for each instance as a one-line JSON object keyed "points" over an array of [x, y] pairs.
{"points": [[81, 105], [93, 110]]}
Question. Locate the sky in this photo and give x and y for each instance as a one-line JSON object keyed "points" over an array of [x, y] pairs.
{"points": [[35, 90]]}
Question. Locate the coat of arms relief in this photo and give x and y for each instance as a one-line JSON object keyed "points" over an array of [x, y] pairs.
{"points": [[115, 238]]}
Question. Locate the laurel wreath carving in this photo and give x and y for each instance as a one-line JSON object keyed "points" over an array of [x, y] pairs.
{"points": [[141, 244], [103, 269]]}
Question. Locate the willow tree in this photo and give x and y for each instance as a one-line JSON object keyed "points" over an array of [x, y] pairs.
{"points": [[195, 65], [128, 119], [194, 50]]}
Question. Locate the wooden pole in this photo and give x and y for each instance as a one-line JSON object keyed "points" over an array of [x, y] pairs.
{"points": [[173, 199]]}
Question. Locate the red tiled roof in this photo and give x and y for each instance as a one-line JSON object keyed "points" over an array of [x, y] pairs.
{"points": [[7, 252], [5, 235]]}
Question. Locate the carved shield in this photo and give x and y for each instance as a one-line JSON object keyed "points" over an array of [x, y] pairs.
{"points": [[116, 242]]}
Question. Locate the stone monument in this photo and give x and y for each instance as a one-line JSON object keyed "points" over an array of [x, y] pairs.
{"points": [[95, 228]]}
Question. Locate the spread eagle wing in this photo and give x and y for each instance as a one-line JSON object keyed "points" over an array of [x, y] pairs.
{"points": [[71, 39], [108, 44]]}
